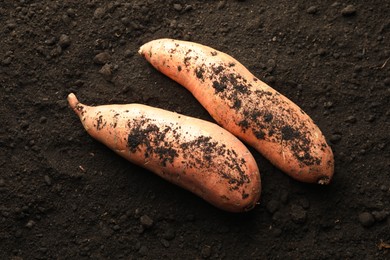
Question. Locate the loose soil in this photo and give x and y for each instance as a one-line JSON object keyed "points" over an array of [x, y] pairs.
{"points": [[63, 195]]}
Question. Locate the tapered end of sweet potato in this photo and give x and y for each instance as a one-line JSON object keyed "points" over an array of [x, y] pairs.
{"points": [[74, 103], [72, 100]]}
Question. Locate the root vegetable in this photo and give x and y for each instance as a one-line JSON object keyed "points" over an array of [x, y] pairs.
{"points": [[197, 155], [247, 107]]}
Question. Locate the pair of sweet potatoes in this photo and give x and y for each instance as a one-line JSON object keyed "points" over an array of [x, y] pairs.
{"points": [[201, 156]]}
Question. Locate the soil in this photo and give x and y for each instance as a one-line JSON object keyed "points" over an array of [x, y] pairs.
{"points": [[66, 196]]}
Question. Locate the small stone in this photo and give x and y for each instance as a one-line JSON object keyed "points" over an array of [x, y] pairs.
{"points": [[349, 10], [271, 64], [371, 118], [164, 242], [99, 13], [187, 8], [116, 227], [335, 138], [383, 188], [129, 53], [43, 120], [206, 252], [24, 125], [169, 234], [47, 180], [312, 9], [178, 7], [221, 4], [55, 52], [146, 221], [6, 61], [71, 12], [51, 41], [2, 182], [102, 58], [106, 71], [322, 52], [270, 79], [366, 219], [11, 25], [30, 224], [65, 19], [380, 215], [351, 119], [298, 214], [64, 41], [328, 104]]}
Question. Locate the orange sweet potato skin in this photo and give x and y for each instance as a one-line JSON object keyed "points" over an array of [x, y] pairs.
{"points": [[195, 154], [247, 107]]}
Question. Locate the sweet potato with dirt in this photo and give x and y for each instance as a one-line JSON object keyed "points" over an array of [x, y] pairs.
{"points": [[195, 154], [247, 107]]}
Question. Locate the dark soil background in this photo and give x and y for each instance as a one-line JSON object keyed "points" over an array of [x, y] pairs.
{"points": [[63, 195]]}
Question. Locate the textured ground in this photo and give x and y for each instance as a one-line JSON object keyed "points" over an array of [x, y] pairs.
{"points": [[65, 196]]}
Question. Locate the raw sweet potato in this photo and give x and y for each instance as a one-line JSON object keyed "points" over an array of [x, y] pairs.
{"points": [[195, 154], [247, 107]]}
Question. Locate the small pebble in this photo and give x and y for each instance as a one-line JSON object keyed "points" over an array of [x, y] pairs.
{"points": [[51, 41], [43, 120], [322, 52], [99, 13], [271, 64], [129, 53], [146, 221], [116, 227], [335, 138], [178, 7], [30, 224], [169, 234], [366, 219], [55, 52], [312, 9], [64, 41], [380, 215], [102, 58], [47, 180], [164, 242], [206, 252], [349, 10], [221, 4], [6, 61], [106, 71], [371, 118], [328, 104], [298, 214], [351, 119]]}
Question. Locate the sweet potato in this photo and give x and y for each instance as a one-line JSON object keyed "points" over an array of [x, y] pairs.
{"points": [[195, 154], [247, 107]]}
